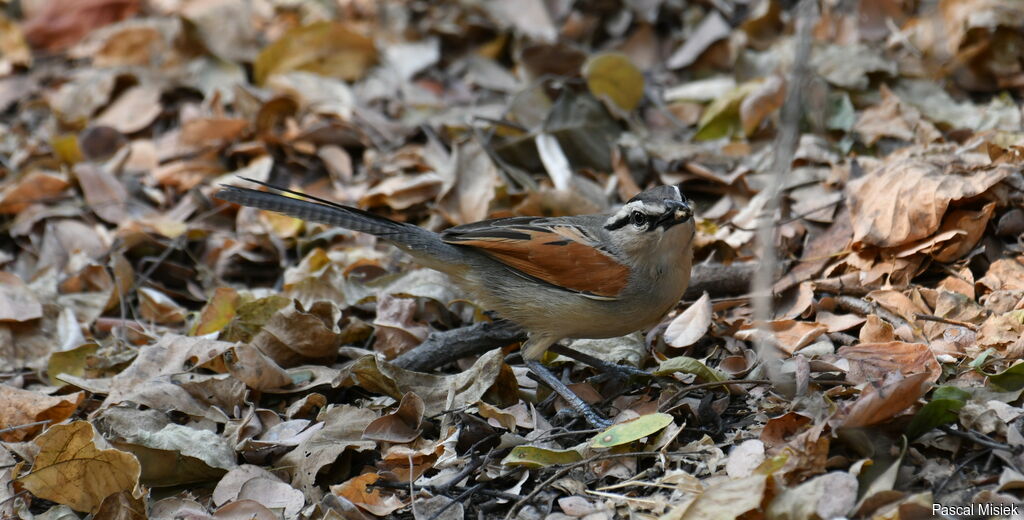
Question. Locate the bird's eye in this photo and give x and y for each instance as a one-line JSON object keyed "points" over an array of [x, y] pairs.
{"points": [[638, 219]]}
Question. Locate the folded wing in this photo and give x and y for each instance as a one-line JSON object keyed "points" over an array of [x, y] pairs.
{"points": [[562, 255]]}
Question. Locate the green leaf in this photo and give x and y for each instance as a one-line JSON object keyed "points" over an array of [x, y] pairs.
{"points": [[942, 409], [627, 432], [534, 457], [690, 365], [1008, 380]]}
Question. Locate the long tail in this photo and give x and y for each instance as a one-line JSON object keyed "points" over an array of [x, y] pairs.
{"points": [[424, 244]]}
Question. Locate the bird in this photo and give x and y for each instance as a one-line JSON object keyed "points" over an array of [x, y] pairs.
{"points": [[586, 276]]}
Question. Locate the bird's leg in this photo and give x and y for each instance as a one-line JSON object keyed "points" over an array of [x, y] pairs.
{"points": [[565, 393], [623, 371]]}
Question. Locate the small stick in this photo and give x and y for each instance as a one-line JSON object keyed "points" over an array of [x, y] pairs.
{"points": [[947, 321], [23, 426]]}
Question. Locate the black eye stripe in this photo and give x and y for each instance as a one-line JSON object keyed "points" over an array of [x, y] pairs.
{"points": [[617, 224]]}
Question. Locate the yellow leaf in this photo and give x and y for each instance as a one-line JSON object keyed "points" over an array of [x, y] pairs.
{"points": [[643, 426], [69, 362], [534, 457], [722, 117], [218, 312], [71, 470], [611, 76], [65, 147], [327, 48]]}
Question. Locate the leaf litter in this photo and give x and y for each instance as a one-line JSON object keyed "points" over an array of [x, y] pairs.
{"points": [[162, 354]]}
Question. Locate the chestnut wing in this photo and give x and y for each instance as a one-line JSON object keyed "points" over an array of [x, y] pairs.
{"points": [[557, 253]]}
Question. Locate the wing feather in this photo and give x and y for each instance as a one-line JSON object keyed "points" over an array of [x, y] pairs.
{"points": [[559, 254]]}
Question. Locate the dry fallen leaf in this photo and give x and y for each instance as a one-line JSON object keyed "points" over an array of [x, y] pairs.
{"points": [[684, 330], [906, 200], [327, 48], [59, 24], [883, 403], [19, 407], [356, 491], [73, 469]]}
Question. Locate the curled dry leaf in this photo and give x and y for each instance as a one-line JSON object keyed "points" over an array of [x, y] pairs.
{"points": [[73, 469], [684, 330], [357, 491], [59, 24], [343, 429], [875, 361], [877, 405], [906, 200], [17, 301], [37, 187], [464, 388], [788, 335], [19, 407], [401, 425]]}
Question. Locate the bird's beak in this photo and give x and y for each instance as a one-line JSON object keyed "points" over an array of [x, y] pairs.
{"points": [[677, 212]]}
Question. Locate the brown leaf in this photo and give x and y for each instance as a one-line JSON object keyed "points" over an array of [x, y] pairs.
{"points": [[972, 223], [105, 195], [1005, 274], [875, 361], [875, 330], [157, 307], [875, 406], [788, 335], [761, 103], [356, 490], [401, 425], [779, 430], [18, 407], [72, 469], [294, 335], [343, 429], [894, 119], [906, 200], [59, 24], [36, 187], [466, 387], [838, 322]]}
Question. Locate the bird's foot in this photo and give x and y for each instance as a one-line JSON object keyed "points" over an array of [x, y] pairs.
{"points": [[577, 403], [609, 370]]}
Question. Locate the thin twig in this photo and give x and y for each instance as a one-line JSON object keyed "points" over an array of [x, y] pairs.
{"points": [[979, 439], [671, 405], [465, 495], [12, 497], [960, 467], [864, 307], [23, 426], [947, 321], [489, 492], [564, 470]]}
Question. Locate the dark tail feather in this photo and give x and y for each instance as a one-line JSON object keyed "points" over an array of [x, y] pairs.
{"points": [[315, 209], [425, 245]]}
